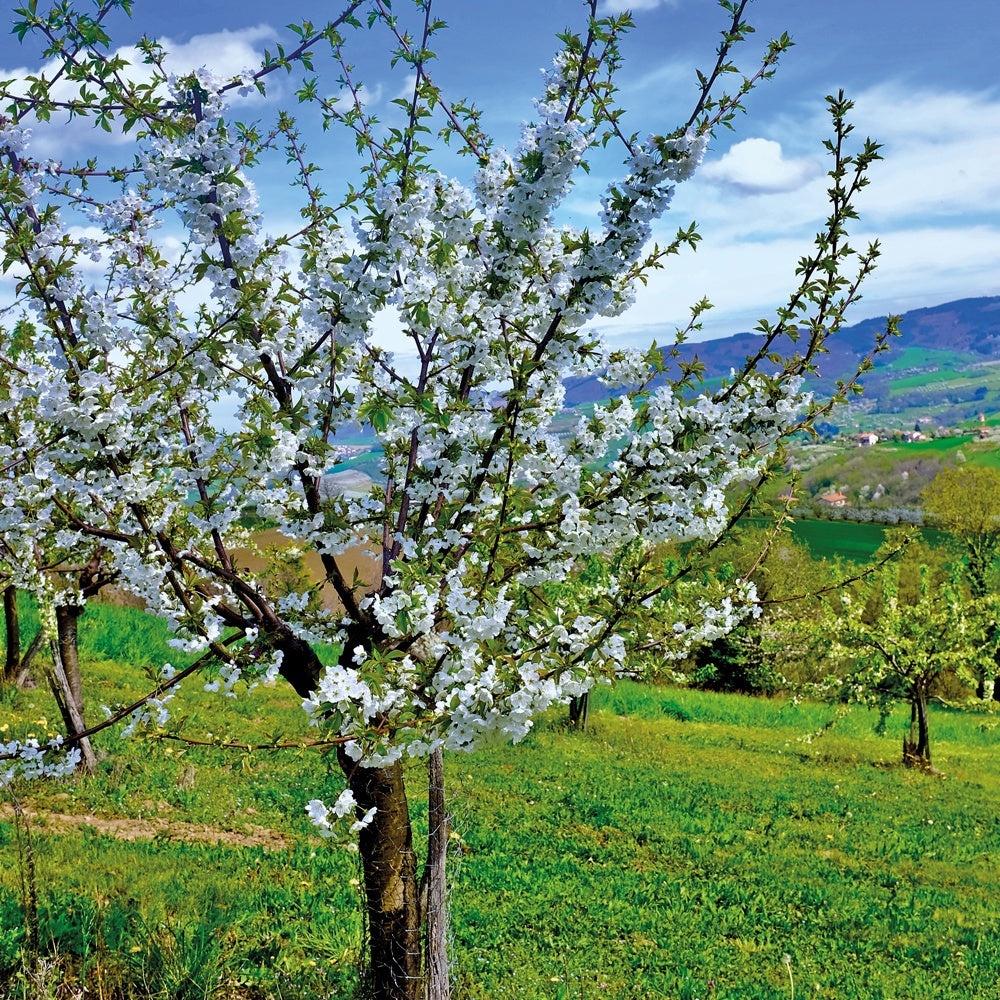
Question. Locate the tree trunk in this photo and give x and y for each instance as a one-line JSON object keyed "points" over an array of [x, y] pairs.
{"points": [[36, 644], [436, 903], [12, 657], [985, 683], [392, 896], [67, 630], [70, 707], [391, 891], [579, 709], [917, 748], [923, 732]]}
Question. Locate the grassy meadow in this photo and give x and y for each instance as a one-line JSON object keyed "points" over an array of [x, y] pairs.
{"points": [[681, 847]]}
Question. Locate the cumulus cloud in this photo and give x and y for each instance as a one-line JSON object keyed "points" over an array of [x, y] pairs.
{"points": [[367, 96], [932, 204], [925, 265], [747, 279], [760, 166], [225, 52], [405, 92]]}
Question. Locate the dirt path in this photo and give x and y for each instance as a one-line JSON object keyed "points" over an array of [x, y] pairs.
{"points": [[150, 828]]}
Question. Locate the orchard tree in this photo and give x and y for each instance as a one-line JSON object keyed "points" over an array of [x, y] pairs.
{"points": [[61, 572], [668, 592], [965, 502], [898, 640], [479, 504], [777, 647]]}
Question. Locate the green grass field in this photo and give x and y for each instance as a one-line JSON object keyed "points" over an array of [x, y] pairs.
{"points": [[847, 540], [851, 541], [936, 378], [678, 848], [905, 358]]}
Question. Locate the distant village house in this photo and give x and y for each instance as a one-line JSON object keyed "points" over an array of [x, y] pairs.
{"points": [[866, 440], [833, 499]]}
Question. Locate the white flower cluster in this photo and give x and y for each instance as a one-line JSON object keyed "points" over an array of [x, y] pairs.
{"points": [[154, 714], [30, 759], [324, 817], [712, 621], [229, 675]]}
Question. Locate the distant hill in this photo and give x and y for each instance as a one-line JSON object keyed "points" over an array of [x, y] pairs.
{"points": [[945, 365], [944, 356], [970, 326]]}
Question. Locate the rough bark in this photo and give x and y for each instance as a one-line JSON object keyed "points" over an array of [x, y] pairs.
{"points": [[300, 665], [436, 905], [392, 904], [12, 656], [68, 633], [36, 644], [917, 747], [391, 891], [579, 709], [70, 707]]}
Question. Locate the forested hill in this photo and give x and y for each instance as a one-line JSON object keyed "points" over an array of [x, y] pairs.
{"points": [[955, 338]]}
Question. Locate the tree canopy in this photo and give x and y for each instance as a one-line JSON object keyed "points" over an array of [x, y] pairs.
{"points": [[966, 501], [154, 298]]}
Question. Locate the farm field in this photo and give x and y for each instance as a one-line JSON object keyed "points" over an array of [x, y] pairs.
{"points": [[848, 540], [680, 847], [852, 541]]}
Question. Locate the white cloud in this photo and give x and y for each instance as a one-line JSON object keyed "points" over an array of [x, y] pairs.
{"points": [[940, 153], [747, 278], [226, 53], [618, 6], [759, 166], [933, 203], [934, 116], [926, 265], [367, 96], [743, 279], [405, 92], [939, 149], [669, 79]]}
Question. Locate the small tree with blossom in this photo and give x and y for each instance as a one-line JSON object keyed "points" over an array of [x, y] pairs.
{"points": [[896, 643], [479, 504]]}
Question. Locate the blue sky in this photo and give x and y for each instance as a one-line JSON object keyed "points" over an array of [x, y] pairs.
{"points": [[922, 74]]}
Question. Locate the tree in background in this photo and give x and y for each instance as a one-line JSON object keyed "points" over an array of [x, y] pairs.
{"points": [[776, 649], [899, 634], [965, 501], [479, 505], [60, 570]]}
